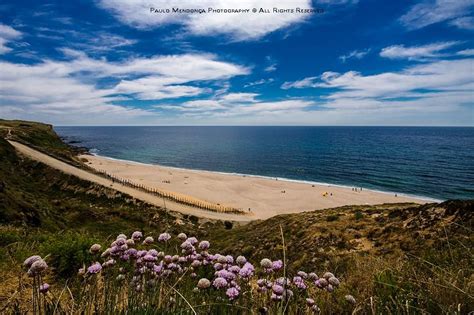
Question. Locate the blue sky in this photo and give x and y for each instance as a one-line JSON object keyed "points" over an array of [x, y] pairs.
{"points": [[113, 62]]}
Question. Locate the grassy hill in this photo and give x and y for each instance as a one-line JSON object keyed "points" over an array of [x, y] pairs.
{"points": [[394, 259]]}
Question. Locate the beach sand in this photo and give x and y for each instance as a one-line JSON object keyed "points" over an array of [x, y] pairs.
{"points": [[264, 197]]}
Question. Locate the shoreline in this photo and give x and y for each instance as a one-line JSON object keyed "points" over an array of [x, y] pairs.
{"points": [[283, 179], [262, 196]]}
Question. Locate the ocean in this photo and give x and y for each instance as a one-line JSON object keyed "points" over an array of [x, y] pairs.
{"points": [[432, 162]]}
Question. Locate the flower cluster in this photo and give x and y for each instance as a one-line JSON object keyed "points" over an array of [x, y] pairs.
{"points": [[35, 265], [141, 263]]}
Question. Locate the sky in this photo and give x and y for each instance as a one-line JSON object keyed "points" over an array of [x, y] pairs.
{"points": [[216, 62]]}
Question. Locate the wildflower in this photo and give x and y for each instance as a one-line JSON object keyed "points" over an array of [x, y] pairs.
{"points": [[226, 274], [310, 302], [328, 275], [137, 235], [275, 297], [232, 293], [203, 283], [38, 267], [122, 236], [105, 253], [157, 268], [204, 245], [334, 281], [229, 259], [282, 281], [315, 309], [299, 282], [182, 236], [266, 263], [120, 241], [219, 283], [222, 259], [132, 252], [247, 270], [186, 245], [192, 240], [95, 249], [94, 268], [196, 263], [277, 265], [148, 240], [30, 260], [322, 282], [329, 288], [44, 288], [164, 237], [350, 299], [167, 259], [277, 289], [149, 258], [218, 266], [302, 274], [81, 271], [241, 260], [313, 276], [130, 242], [234, 269]]}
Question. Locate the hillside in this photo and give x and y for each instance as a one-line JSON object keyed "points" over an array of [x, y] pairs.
{"points": [[39, 136], [387, 256]]}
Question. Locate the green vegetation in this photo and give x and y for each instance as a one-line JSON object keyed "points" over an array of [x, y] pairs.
{"points": [[394, 259], [39, 136]]}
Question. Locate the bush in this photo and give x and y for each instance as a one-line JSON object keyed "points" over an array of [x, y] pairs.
{"points": [[67, 252]]}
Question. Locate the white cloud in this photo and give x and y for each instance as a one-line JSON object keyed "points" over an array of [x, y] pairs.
{"points": [[271, 64], [7, 34], [304, 83], [259, 82], [356, 54], [416, 52], [435, 76], [271, 68], [240, 26], [466, 52], [239, 97], [466, 22], [64, 88], [418, 92], [237, 104], [435, 11]]}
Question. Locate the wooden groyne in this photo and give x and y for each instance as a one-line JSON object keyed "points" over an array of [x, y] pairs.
{"points": [[176, 197]]}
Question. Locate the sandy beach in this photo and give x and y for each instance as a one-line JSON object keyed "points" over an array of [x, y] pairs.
{"points": [[264, 197]]}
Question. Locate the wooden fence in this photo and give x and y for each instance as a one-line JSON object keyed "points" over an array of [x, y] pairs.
{"points": [[176, 197]]}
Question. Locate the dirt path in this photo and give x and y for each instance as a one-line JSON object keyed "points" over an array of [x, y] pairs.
{"points": [[138, 194]]}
